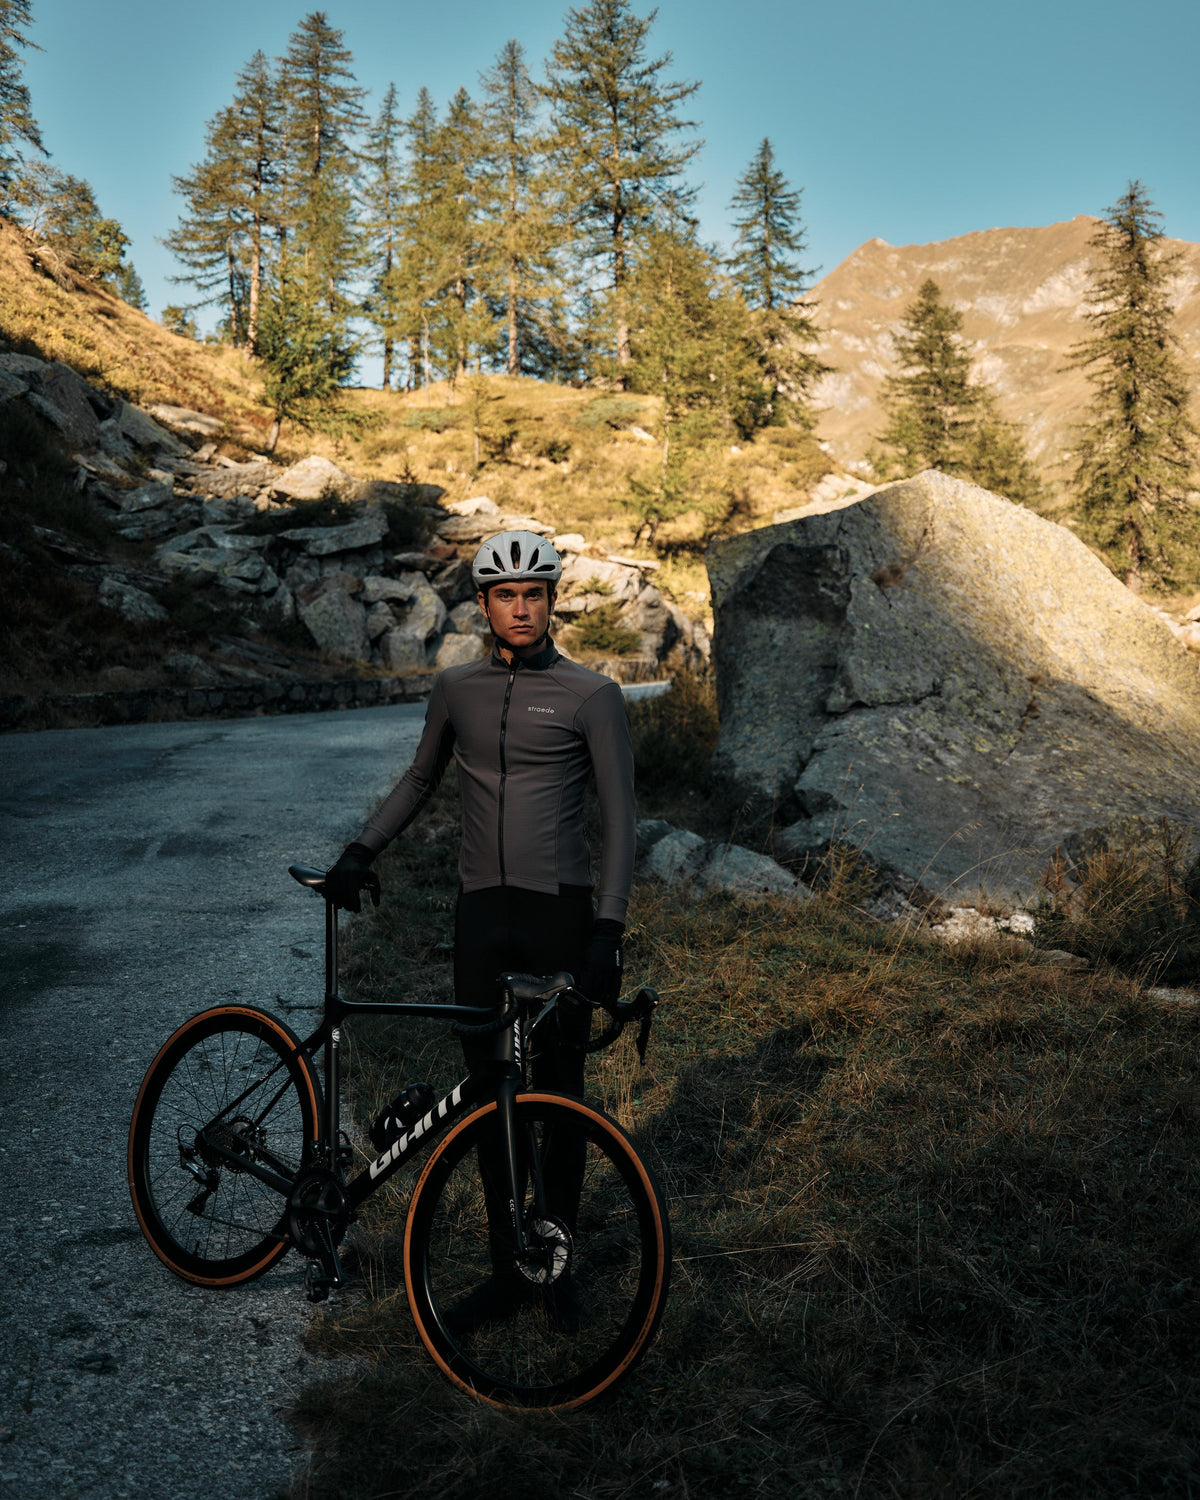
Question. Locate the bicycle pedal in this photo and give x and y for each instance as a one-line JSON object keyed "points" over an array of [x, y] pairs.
{"points": [[318, 1285]]}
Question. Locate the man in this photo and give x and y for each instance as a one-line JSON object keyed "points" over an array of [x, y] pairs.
{"points": [[527, 728]]}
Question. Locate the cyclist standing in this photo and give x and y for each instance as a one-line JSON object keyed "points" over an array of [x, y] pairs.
{"points": [[527, 728]]}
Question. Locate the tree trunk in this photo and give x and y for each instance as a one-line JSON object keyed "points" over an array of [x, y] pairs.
{"points": [[255, 290], [624, 349], [273, 436], [386, 384], [514, 353]]}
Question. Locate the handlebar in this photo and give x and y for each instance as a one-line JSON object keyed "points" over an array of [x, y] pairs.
{"points": [[522, 992]]}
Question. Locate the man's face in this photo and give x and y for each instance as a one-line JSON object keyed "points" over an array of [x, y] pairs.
{"points": [[519, 613]]}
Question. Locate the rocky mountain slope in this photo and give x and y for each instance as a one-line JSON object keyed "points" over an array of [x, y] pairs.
{"points": [[1021, 292]]}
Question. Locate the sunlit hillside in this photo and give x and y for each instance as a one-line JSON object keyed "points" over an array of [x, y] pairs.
{"points": [[50, 312], [1021, 293]]}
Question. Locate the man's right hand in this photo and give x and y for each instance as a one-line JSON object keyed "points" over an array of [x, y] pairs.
{"points": [[347, 876]]}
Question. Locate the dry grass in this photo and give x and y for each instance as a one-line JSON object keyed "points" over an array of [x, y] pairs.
{"points": [[118, 347], [934, 1211]]}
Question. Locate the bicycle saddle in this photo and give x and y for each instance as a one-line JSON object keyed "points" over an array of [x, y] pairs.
{"points": [[306, 875], [533, 986]]}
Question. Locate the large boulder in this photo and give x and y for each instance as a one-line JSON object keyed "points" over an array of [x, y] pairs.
{"points": [[61, 397], [324, 541], [311, 479], [950, 682], [141, 428], [334, 619]]}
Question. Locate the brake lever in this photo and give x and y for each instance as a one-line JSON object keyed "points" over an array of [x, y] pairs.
{"points": [[646, 1000]]}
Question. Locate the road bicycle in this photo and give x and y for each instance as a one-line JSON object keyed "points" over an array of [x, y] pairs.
{"points": [[237, 1155]]}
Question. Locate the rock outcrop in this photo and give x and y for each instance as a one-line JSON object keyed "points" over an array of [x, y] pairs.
{"points": [[364, 595], [949, 682]]}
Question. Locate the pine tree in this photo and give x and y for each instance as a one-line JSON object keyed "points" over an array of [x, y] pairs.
{"points": [[17, 123], [461, 323], [618, 130], [1138, 444], [521, 208], [382, 196], [693, 343], [207, 239], [417, 283], [306, 341], [257, 110], [324, 248], [770, 235], [175, 319], [769, 242], [62, 211], [931, 404], [224, 234], [938, 418], [129, 287]]}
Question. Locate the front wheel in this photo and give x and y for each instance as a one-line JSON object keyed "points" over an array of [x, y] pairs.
{"points": [[562, 1324], [231, 1090]]}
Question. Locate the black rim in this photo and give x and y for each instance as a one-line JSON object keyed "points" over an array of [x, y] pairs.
{"points": [[563, 1340], [236, 1075]]}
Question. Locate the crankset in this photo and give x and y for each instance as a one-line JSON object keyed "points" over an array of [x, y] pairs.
{"points": [[317, 1216]]}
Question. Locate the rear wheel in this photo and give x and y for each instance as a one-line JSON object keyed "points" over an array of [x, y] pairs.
{"points": [[230, 1090], [573, 1318]]}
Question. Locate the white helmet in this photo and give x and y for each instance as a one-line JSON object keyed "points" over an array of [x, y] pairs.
{"points": [[516, 557]]}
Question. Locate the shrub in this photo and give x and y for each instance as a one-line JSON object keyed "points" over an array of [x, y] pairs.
{"points": [[675, 734], [1131, 900], [602, 631], [611, 411]]}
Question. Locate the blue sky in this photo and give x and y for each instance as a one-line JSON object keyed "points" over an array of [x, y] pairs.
{"points": [[912, 122]]}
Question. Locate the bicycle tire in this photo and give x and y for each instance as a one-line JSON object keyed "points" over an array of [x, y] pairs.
{"points": [[208, 1221], [614, 1265]]}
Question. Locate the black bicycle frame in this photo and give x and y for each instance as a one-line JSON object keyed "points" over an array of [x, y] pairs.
{"points": [[503, 1083]]}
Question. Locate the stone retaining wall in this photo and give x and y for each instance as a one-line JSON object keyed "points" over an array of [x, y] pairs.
{"points": [[137, 705]]}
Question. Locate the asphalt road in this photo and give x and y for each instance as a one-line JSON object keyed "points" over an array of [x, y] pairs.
{"points": [[146, 878]]}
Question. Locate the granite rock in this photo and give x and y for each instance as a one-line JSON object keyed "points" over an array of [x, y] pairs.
{"points": [[950, 682]]}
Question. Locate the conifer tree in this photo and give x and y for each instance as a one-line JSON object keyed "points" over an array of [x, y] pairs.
{"points": [[1138, 444], [383, 199], [520, 208], [224, 235], [938, 418], [257, 110], [418, 280], [770, 234], [306, 340], [931, 404], [619, 139], [693, 344], [324, 248], [17, 123], [461, 322], [207, 239], [765, 267]]}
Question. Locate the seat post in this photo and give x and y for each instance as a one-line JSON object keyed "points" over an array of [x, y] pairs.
{"points": [[331, 951], [333, 1046]]}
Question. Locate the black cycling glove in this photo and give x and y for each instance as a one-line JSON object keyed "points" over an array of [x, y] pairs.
{"points": [[347, 876], [603, 962]]}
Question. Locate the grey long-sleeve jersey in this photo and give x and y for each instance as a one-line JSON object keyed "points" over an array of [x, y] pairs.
{"points": [[526, 738]]}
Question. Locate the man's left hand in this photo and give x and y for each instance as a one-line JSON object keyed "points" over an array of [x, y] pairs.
{"points": [[603, 962]]}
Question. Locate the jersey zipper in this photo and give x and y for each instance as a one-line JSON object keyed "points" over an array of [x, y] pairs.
{"points": [[512, 673]]}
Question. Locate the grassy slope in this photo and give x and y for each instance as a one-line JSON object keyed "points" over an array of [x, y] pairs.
{"points": [[934, 1212], [116, 346]]}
